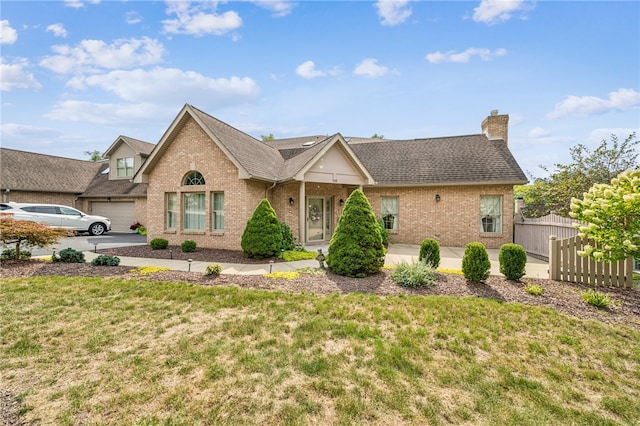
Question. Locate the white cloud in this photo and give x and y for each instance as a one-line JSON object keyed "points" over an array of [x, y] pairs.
{"points": [[370, 68], [132, 17], [621, 100], [393, 12], [22, 130], [279, 8], [8, 35], [107, 114], [464, 57], [539, 132], [14, 76], [79, 3], [171, 86], [199, 18], [58, 30], [496, 11], [92, 55], [308, 70]]}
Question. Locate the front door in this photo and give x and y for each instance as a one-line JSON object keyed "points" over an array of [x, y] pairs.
{"points": [[318, 219]]}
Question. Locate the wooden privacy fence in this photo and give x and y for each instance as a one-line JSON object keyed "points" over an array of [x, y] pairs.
{"points": [[566, 265], [533, 234]]}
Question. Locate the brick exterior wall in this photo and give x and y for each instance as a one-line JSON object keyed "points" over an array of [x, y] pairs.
{"points": [[192, 149], [454, 221], [42, 198]]}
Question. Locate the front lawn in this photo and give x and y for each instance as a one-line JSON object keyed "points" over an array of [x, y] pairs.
{"points": [[112, 351]]}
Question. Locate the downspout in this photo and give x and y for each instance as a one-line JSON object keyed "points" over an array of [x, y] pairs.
{"points": [[266, 191]]}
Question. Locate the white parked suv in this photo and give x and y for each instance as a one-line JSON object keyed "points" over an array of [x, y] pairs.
{"points": [[57, 216]]}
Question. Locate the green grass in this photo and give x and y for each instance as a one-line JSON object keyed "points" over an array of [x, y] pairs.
{"points": [[111, 351]]}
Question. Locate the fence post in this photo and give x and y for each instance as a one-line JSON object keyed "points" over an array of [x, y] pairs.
{"points": [[554, 259]]}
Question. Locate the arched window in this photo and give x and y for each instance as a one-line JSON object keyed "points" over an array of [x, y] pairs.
{"points": [[194, 178]]}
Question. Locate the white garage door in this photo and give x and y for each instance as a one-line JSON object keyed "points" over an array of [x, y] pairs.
{"points": [[122, 214]]}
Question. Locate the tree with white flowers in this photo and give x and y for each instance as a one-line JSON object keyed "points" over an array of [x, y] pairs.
{"points": [[610, 216]]}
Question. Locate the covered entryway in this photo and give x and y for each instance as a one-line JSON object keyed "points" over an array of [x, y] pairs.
{"points": [[319, 219], [121, 213]]}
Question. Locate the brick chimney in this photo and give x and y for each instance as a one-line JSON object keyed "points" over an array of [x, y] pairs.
{"points": [[496, 126]]}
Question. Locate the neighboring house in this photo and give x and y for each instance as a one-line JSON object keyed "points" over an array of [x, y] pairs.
{"points": [[205, 179], [112, 193], [101, 188], [37, 178]]}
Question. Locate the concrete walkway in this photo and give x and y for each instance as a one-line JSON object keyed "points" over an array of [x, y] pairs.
{"points": [[450, 258]]}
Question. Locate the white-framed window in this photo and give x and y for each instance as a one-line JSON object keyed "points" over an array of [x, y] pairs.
{"points": [[389, 211], [171, 218], [194, 178], [491, 214], [193, 211], [217, 211], [124, 167]]}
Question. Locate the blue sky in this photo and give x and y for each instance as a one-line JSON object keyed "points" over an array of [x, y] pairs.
{"points": [[77, 74]]}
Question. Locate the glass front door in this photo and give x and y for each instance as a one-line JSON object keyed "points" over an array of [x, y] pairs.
{"points": [[318, 219]]}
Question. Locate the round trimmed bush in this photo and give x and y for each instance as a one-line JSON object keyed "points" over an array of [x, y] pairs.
{"points": [[475, 262], [213, 270], [158, 244], [430, 252], [188, 246], [356, 248], [513, 261]]}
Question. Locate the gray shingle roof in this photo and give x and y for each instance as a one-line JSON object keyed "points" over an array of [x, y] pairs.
{"points": [[141, 147], [260, 160], [101, 186], [471, 159], [28, 171]]}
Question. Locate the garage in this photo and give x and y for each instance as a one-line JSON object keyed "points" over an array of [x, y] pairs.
{"points": [[122, 214]]}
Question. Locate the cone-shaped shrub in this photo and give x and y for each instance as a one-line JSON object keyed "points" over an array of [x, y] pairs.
{"points": [[430, 252], [356, 248], [262, 236], [475, 262], [513, 260]]}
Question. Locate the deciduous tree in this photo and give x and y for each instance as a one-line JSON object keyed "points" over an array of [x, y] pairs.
{"points": [[572, 180], [29, 233], [610, 216]]}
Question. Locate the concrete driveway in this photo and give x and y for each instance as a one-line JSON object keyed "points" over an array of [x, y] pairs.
{"points": [[88, 242]]}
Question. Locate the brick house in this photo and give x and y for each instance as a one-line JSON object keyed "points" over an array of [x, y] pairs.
{"points": [[204, 179], [102, 188]]}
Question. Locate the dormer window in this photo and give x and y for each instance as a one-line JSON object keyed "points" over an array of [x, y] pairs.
{"points": [[124, 167], [194, 178]]}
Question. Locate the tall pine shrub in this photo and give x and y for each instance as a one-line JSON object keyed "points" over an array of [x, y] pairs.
{"points": [[475, 262], [262, 236], [356, 248]]}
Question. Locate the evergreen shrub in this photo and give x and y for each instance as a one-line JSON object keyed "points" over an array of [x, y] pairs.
{"points": [[475, 262], [262, 237], [287, 237], [513, 261], [430, 252], [159, 244], [356, 248], [11, 253], [106, 260], [188, 246], [68, 255]]}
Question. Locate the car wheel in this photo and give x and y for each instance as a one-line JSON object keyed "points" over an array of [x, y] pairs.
{"points": [[97, 229]]}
